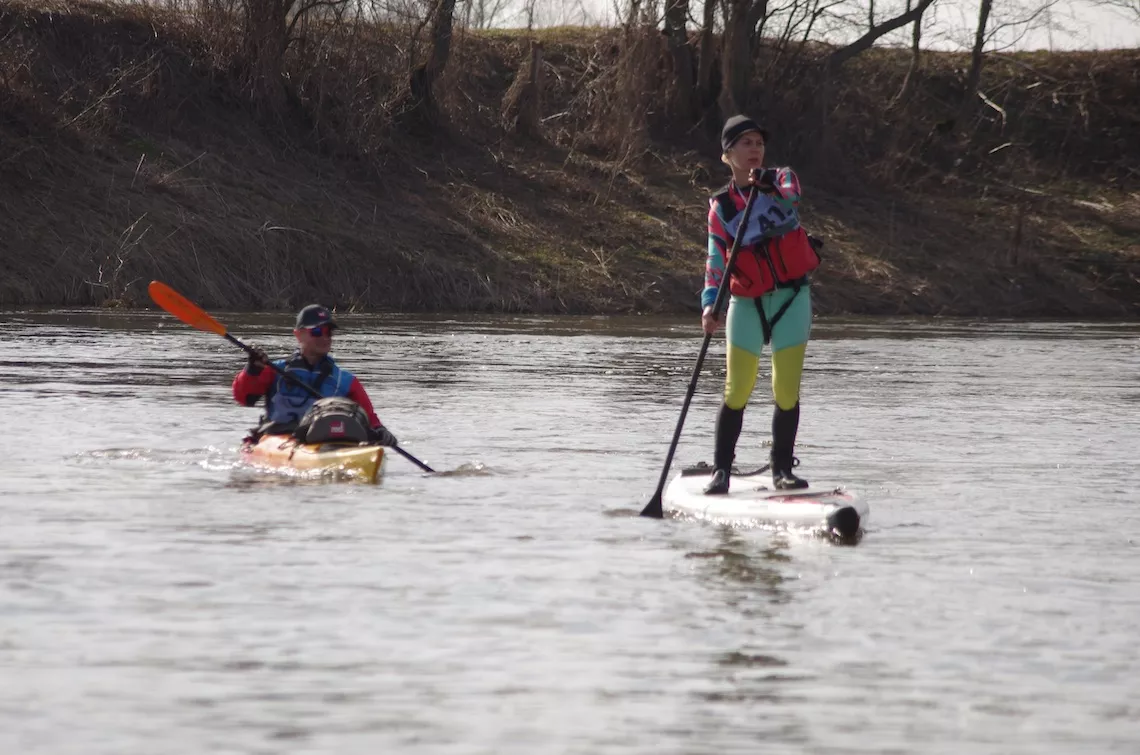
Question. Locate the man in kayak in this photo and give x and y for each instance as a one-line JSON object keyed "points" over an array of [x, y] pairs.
{"points": [[285, 402], [771, 296]]}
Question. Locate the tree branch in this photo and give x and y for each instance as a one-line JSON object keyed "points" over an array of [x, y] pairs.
{"points": [[304, 11], [843, 54]]}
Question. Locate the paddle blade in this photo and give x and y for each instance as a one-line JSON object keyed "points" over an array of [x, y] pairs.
{"points": [[654, 509], [184, 309]]}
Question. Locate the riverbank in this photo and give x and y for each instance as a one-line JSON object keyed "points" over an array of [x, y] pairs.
{"points": [[128, 153]]}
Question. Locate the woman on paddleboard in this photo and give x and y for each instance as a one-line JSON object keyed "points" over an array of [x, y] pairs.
{"points": [[771, 297]]}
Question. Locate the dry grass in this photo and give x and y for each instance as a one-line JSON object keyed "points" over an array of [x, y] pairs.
{"points": [[130, 149]]}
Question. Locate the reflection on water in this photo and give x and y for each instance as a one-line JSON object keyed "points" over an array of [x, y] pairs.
{"points": [[154, 586], [738, 561]]}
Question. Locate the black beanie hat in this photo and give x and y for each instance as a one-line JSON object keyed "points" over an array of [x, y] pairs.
{"points": [[736, 127]]}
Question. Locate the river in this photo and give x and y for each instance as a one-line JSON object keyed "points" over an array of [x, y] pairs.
{"points": [[157, 596]]}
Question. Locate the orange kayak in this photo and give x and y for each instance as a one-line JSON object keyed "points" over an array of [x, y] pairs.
{"points": [[356, 461]]}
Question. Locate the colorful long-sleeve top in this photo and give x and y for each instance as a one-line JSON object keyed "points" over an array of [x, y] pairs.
{"points": [[774, 214]]}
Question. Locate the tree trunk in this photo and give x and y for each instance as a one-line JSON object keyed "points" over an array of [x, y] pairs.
{"points": [[706, 86], [736, 62], [915, 60], [757, 15], [421, 106], [974, 77], [522, 104], [681, 105]]}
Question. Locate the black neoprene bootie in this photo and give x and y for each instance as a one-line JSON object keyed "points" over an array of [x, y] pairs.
{"points": [[718, 483], [728, 424], [786, 479], [785, 423]]}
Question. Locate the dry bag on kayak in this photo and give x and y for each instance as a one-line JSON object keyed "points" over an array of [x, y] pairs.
{"points": [[333, 419]]}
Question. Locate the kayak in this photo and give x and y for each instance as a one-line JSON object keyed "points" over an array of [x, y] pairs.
{"points": [[356, 461], [752, 497]]}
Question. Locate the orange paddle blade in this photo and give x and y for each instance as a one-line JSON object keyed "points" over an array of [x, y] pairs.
{"points": [[184, 309]]}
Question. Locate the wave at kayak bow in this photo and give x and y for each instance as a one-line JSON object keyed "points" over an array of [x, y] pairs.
{"points": [[209, 457]]}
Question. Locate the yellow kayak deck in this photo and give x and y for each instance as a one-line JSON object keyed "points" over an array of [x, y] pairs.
{"points": [[363, 463]]}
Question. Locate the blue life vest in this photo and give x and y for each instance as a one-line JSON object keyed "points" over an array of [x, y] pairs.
{"points": [[286, 403]]}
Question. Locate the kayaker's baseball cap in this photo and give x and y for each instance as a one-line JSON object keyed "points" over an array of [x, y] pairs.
{"points": [[314, 315], [736, 127]]}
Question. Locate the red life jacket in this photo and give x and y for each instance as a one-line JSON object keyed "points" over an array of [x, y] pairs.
{"points": [[759, 267]]}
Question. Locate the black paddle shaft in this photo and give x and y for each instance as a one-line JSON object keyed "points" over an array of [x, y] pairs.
{"points": [[654, 508], [289, 377]]}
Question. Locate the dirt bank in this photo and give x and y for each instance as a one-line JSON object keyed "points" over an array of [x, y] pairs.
{"points": [[128, 152]]}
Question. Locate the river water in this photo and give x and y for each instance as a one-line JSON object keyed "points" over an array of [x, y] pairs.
{"points": [[155, 596]]}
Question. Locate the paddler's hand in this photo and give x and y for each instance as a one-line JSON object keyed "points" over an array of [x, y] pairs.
{"points": [[384, 437], [763, 178], [709, 324], [258, 360]]}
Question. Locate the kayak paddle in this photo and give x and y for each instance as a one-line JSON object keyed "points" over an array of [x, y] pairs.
{"points": [[654, 508], [197, 318]]}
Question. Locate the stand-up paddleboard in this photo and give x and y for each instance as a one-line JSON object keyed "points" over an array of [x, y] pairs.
{"points": [[751, 497]]}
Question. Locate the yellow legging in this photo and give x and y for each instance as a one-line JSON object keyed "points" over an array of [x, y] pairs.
{"points": [[743, 367], [789, 337]]}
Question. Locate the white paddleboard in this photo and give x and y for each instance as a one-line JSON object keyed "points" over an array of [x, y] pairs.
{"points": [[753, 498]]}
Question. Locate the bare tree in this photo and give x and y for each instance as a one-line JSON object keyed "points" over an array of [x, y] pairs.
{"points": [[793, 24], [420, 107], [1131, 7], [915, 59], [521, 110], [863, 43], [736, 58], [706, 56], [745, 20], [976, 52], [269, 28], [681, 104], [545, 13], [529, 12], [1016, 20], [483, 14]]}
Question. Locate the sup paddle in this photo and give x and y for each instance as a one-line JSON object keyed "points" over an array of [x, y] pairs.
{"points": [[197, 318], [654, 508]]}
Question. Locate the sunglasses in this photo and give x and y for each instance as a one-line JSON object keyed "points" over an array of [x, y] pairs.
{"points": [[320, 330]]}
